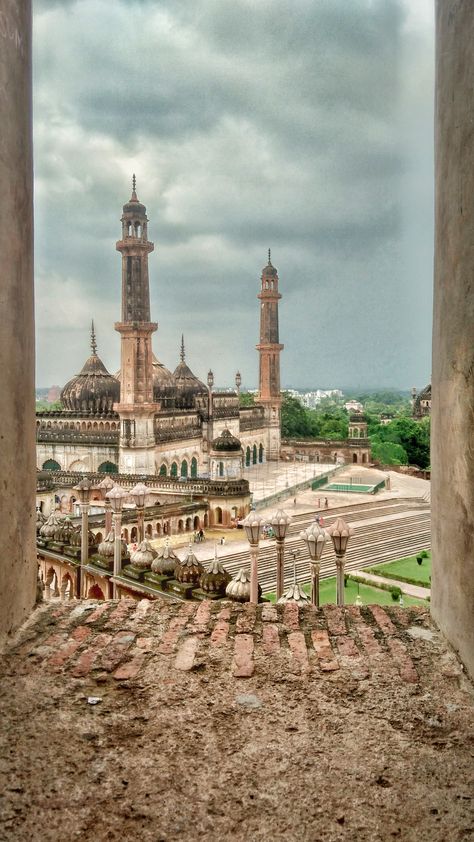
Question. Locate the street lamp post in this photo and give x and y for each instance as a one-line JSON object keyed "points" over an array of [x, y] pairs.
{"points": [[340, 532], [139, 493], [83, 489], [106, 485], [252, 524], [280, 523], [116, 496], [315, 538]]}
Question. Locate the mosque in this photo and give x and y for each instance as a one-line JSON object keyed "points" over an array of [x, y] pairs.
{"points": [[147, 420]]}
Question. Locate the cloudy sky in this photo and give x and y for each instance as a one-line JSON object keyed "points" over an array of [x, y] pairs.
{"points": [[300, 125]]}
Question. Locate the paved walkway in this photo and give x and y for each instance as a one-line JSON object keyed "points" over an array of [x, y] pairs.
{"points": [[405, 587], [190, 722]]}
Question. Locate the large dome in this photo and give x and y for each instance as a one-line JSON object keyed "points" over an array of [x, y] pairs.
{"points": [[164, 383], [226, 443], [188, 386], [93, 390]]}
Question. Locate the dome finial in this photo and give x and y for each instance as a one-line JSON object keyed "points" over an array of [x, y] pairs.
{"points": [[182, 354], [134, 189], [269, 257], [93, 342]]}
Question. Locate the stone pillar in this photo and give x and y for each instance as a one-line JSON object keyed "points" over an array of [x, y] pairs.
{"points": [[18, 569], [452, 457]]}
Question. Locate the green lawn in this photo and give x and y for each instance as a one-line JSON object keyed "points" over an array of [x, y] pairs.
{"points": [[405, 569], [369, 595]]}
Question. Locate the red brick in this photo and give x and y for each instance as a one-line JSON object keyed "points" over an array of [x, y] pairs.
{"points": [[399, 651], [121, 611], [131, 668], [269, 614], [69, 648], [224, 613], [347, 647], [145, 643], [203, 614], [186, 654], [171, 635], [55, 639], [271, 639], [243, 656], [142, 609], [298, 649], [246, 620], [219, 632], [335, 619], [291, 616], [116, 651], [326, 659], [368, 640], [87, 659], [98, 613], [383, 620]]}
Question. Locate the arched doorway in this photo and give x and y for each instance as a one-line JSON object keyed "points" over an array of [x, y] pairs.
{"points": [[51, 465], [95, 592], [184, 469], [354, 457], [134, 535], [260, 453], [206, 520], [174, 469], [180, 526], [149, 530], [162, 470], [247, 457], [254, 454], [197, 523], [189, 524], [218, 514], [108, 468], [194, 467]]}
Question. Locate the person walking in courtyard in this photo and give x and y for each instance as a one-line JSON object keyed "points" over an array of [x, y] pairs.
{"points": [[326, 504]]}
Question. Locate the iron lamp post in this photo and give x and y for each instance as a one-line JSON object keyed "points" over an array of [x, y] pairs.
{"points": [[280, 523], [106, 485], [116, 496], [139, 494], [83, 489], [315, 538], [340, 532], [252, 524]]}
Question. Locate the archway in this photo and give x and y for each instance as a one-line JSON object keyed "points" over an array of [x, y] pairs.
{"points": [[254, 454], [180, 526], [364, 457], [184, 469], [108, 468], [163, 470], [158, 528], [218, 514], [189, 524], [78, 466], [260, 453], [194, 467], [125, 534], [247, 457], [67, 587], [221, 469], [354, 457], [95, 592], [149, 530], [197, 522], [134, 535], [98, 538], [51, 465], [206, 520], [174, 469]]}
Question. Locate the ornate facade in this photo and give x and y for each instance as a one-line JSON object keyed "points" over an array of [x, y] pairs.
{"points": [[151, 421]]}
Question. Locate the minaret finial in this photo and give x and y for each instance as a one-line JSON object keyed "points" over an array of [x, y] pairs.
{"points": [[93, 342], [269, 257], [134, 188], [182, 355]]}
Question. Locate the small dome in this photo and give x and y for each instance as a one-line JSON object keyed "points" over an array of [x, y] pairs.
{"points": [[143, 557], [216, 578], [226, 442], [166, 560], [106, 547], [49, 528], [269, 270], [64, 532], [294, 594], [239, 587], [190, 569], [93, 390], [133, 205]]}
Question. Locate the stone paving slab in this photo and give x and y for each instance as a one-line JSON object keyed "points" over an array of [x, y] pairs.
{"points": [[171, 721]]}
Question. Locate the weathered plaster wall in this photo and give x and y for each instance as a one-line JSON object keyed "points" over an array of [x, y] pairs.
{"points": [[17, 434], [453, 332]]}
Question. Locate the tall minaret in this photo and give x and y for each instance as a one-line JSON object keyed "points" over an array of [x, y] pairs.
{"points": [[269, 348], [136, 407]]}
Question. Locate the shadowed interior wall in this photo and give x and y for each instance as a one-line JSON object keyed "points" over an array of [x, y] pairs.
{"points": [[17, 438], [453, 331]]}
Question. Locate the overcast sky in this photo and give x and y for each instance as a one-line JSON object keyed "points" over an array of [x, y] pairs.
{"points": [[301, 125]]}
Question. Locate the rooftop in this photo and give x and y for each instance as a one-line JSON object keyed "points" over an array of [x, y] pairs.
{"points": [[157, 721]]}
